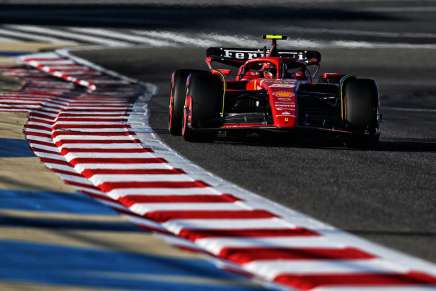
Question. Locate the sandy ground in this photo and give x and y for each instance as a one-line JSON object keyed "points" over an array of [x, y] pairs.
{"points": [[28, 47], [23, 172]]}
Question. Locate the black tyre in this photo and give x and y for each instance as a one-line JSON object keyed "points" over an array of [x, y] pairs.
{"points": [[360, 111], [202, 106], [360, 104], [177, 100]]}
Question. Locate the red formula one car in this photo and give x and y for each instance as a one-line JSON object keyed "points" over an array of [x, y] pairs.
{"points": [[266, 89]]}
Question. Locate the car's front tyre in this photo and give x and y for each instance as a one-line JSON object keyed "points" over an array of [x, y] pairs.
{"points": [[177, 100], [204, 93]]}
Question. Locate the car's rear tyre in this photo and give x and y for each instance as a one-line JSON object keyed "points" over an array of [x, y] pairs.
{"points": [[177, 100], [360, 111], [204, 94]]}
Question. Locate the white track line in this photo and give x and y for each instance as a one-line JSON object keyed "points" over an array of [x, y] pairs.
{"points": [[234, 40], [5, 39], [385, 34], [182, 38], [36, 37], [406, 109], [64, 33], [408, 9], [123, 36]]}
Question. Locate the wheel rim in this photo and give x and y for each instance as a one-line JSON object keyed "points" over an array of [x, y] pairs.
{"points": [[171, 113], [187, 115]]}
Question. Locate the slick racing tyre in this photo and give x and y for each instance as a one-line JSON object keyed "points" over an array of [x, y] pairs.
{"points": [[203, 101], [177, 100], [361, 109]]}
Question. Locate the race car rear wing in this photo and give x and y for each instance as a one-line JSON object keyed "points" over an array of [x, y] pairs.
{"points": [[237, 56]]}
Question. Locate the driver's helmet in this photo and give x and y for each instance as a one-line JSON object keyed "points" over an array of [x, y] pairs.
{"points": [[269, 70]]}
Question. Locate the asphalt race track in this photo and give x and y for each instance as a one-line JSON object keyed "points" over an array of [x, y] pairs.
{"points": [[386, 194]]}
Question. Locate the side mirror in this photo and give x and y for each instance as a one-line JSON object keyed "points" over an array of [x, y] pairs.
{"points": [[313, 58], [249, 75], [252, 74], [225, 72], [313, 61], [300, 75]]}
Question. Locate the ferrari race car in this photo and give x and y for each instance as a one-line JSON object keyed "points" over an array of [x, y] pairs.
{"points": [[271, 89]]}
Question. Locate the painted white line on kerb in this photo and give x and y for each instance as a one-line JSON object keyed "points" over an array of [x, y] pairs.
{"points": [[217, 244], [273, 268], [160, 191], [204, 224]]}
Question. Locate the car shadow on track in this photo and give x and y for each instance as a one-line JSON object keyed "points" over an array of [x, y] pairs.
{"points": [[392, 233], [322, 142], [408, 145], [333, 143]]}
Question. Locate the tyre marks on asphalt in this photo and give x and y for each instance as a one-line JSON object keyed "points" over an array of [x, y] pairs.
{"points": [[86, 139]]}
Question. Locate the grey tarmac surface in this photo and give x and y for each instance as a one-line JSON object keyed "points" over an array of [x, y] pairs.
{"points": [[386, 195]]}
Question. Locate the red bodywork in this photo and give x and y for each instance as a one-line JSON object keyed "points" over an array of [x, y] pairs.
{"points": [[281, 92], [282, 101]]}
